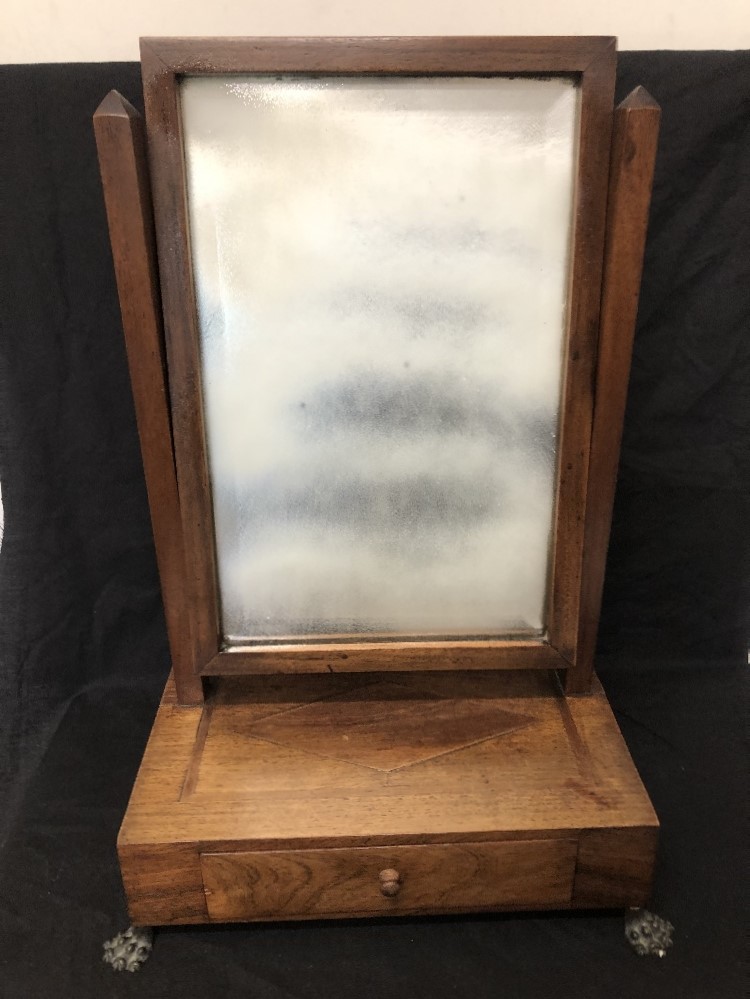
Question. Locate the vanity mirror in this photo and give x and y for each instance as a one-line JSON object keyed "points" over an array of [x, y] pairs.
{"points": [[379, 299]]}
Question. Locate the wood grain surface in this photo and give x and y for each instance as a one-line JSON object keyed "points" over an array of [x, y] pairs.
{"points": [[458, 878], [121, 145], [394, 54], [615, 867], [353, 657], [579, 360], [635, 138]]}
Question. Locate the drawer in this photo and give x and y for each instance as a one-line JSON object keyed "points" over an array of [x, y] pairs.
{"points": [[446, 877]]}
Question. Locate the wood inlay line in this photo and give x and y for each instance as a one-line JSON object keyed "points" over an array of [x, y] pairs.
{"points": [[191, 775], [575, 740], [405, 766]]}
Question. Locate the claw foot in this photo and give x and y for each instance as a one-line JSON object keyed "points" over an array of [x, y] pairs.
{"points": [[129, 950], [648, 933]]}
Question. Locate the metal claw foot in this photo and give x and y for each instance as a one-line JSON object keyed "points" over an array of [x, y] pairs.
{"points": [[648, 933], [129, 950]]}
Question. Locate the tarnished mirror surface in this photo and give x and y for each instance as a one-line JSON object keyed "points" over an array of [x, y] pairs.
{"points": [[381, 268]]}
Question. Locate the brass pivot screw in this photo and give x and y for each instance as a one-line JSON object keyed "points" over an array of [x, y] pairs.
{"points": [[390, 882]]}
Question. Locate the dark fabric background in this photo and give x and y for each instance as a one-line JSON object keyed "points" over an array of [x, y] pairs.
{"points": [[84, 652]]}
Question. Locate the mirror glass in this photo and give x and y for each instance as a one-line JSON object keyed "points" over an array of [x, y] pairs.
{"points": [[381, 268]]}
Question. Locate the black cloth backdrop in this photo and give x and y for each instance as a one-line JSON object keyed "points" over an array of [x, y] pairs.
{"points": [[84, 652]]}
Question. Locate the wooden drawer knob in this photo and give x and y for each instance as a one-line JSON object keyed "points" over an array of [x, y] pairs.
{"points": [[390, 882]]}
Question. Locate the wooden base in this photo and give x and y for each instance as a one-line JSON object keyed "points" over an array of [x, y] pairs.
{"points": [[349, 795]]}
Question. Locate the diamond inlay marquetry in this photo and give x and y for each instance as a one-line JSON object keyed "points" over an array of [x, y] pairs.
{"points": [[388, 726]]}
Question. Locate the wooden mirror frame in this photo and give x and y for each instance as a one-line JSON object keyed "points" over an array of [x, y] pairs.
{"points": [[591, 61]]}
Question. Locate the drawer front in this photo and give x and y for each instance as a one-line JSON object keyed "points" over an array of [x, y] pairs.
{"points": [[456, 877]]}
